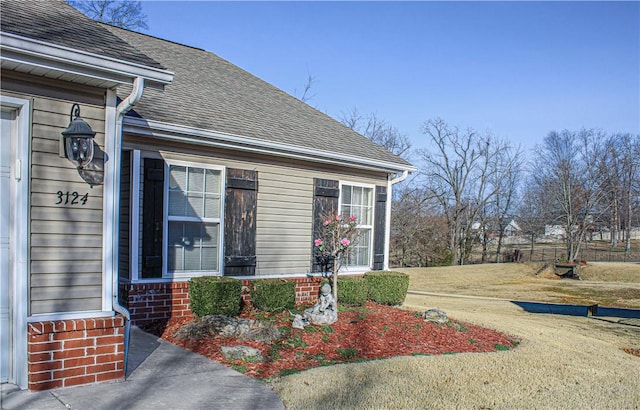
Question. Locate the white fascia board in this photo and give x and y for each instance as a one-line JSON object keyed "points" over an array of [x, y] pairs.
{"points": [[198, 136], [37, 53]]}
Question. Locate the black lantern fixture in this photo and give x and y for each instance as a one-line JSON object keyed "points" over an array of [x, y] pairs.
{"points": [[78, 139]]}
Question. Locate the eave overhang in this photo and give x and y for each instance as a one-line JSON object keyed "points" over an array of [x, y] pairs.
{"points": [[202, 137], [49, 60]]}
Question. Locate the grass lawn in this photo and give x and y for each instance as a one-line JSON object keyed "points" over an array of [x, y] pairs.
{"points": [[612, 284]]}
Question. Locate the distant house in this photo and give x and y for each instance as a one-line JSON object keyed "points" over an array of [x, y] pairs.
{"points": [[556, 231], [200, 168], [512, 229]]}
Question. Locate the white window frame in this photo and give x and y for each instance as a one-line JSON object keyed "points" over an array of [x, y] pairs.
{"points": [[220, 221], [360, 268]]}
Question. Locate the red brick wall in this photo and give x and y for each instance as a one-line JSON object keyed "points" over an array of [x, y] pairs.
{"points": [[307, 289], [158, 301], [72, 352]]}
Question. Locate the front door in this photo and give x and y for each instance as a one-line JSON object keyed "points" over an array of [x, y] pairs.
{"points": [[6, 137]]}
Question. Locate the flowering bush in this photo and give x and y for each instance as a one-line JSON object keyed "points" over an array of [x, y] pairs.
{"points": [[338, 234]]}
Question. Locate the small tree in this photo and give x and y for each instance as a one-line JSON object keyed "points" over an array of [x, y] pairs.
{"points": [[120, 13], [338, 234]]}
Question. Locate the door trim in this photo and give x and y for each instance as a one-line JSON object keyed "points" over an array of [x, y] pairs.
{"points": [[19, 236]]}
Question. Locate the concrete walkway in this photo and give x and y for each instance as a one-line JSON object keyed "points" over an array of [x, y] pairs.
{"points": [[161, 376]]}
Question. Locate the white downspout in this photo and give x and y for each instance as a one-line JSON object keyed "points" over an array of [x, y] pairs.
{"points": [[387, 228], [116, 166]]}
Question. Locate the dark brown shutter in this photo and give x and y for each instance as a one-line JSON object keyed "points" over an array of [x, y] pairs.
{"points": [[325, 203], [379, 227], [152, 218], [125, 198], [240, 205]]}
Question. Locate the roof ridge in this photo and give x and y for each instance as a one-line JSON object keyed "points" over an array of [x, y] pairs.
{"points": [[154, 37]]}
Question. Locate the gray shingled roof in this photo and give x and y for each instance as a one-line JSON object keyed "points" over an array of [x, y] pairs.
{"points": [[55, 22], [210, 93]]}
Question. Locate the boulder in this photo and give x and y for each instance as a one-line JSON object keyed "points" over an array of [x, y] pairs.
{"points": [[245, 353], [435, 315]]}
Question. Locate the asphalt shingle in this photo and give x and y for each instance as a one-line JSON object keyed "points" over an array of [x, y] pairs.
{"points": [[55, 22], [210, 93]]}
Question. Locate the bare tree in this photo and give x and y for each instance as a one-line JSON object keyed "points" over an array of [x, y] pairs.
{"points": [[458, 171], [120, 13], [611, 168], [418, 230], [531, 212], [621, 170], [306, 91], [506, 180], [377, 130], [631, 185], [567, 170]]}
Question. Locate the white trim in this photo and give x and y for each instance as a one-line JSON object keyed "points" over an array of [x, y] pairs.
{"points": [[47, 317], [387, 224], [134, 217], [110, 230], [62, 59], [176, 279], [19, 231], [199, 136], [346, 268], [165, 223]]}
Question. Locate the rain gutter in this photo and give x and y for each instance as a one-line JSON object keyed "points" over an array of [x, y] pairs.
{"points": [[121, 110]]}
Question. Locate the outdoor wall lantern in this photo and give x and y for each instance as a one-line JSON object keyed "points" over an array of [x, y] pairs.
{"points": [[77, 139]]}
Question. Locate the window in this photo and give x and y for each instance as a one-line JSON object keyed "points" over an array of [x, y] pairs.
{"points": [[194, 215], [358, 201]]}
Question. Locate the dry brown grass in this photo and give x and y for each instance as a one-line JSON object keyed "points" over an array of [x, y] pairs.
{"points": [[611, 272], [614, 284], [563, 362]]}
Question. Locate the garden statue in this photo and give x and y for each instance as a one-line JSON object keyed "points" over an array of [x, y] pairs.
{"points": [[324, 312]]}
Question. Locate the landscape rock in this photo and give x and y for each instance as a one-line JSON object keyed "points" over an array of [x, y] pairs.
{"points": [[242, 353], [216, 325], [435, 315]]}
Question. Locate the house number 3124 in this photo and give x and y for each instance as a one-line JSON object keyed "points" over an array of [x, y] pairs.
{"points": [[71, 198]]}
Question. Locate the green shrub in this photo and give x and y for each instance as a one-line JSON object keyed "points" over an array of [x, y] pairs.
{"points": [[443, 258], [352, 290], [215, 295], [387, 288], [273, 295]]}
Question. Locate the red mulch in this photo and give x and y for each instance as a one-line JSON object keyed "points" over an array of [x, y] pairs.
{"points": [[362, 333]]}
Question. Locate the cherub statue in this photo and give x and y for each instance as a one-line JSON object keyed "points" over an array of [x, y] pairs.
{"points": [[324, 312], [326, 302]]}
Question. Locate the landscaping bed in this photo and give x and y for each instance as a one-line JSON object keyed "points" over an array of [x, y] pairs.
{"points": [[362, 333]]}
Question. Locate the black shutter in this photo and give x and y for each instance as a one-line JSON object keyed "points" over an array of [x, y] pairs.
{"points": [[379, 227], [152, 218], [240, 205], [325, 203]]}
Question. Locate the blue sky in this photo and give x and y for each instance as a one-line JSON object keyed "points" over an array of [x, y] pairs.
{"points": [[517, 69]]}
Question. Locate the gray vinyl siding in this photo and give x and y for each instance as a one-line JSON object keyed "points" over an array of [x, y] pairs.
{"points": [[65, 265], [285, 201]]}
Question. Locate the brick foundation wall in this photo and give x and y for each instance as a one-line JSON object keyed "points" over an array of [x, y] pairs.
{"points": [[73, 352], [162, 301], [157, 301]]}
